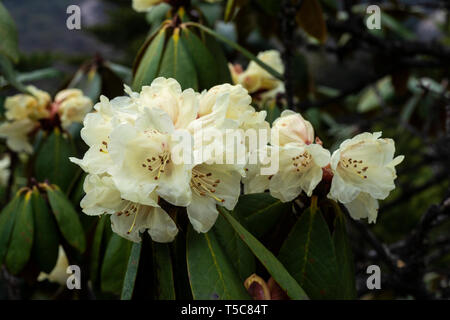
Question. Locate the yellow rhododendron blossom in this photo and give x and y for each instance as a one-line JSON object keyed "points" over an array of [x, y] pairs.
{"points": [[32, 106], [291, 127], [364, 172], [16, 134], [72, 106], [256, 79]]}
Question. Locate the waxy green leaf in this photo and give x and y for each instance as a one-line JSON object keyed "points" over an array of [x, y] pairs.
{"points": [[67, 219], [7, 219], [162, 263], [19, 250], [46, 240], [132, 269], [211, 273], [308, 253], [270, 262]]}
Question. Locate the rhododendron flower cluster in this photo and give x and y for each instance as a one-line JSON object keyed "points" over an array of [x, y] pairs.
{"points": [[133, 161], [26, 112], [363, 168], [135, 170]]}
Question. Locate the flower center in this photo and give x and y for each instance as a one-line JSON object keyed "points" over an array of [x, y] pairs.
{"points": [[355, 166], [104, 149], [130, 208], [302, 160], [157, 164], [204, 184]]}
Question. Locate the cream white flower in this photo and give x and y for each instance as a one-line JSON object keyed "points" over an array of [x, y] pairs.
{"points": [[96, 131], [128, 219], [212, 182], [33, 106], [16, 134], [291, 127], [166, 94], [300, 162], [212, 185], [363, 164], [255, 78], [59, 273], [237, 109], [72, 106], [363, 206], [145, 5], [4, 170], [133, 161], [300, 169], [142, 157]]}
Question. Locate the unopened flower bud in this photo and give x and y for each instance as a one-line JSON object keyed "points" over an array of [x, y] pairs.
{"points": [[291, 127]]}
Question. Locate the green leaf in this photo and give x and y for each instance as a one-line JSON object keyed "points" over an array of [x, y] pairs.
{"points": [[8, 72], [125, 73], [204, 61], [7, 218], [374, 95], [310, 18], [90, 82], [97, 248], [260, 212], [46, 240], [148, 66], [396, 26], [272, 264], [237, 251], [176, 63], [67, 218], [158, 13], [273, 112], [40, 74], [114, 264], [234, 45], [232, 8], [8, 35], [132, 269], [52, 161], [308, 253], [19, 250], [216, 49], [211, 273], [344, 259], [164, 272]]}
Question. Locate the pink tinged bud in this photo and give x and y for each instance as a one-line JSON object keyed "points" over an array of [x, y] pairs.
{"points": [[291, 127]]}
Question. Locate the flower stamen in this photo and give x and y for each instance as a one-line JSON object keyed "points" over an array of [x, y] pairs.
{"points": [[205, 184]]}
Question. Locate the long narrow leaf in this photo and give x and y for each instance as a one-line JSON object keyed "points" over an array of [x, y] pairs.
{"points": [[273, 266], [130, 275], [234, 45]]}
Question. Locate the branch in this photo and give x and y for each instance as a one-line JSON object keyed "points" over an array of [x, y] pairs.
{"points": [[288, 24]]}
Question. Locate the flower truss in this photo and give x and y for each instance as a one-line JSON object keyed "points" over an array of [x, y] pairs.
{"points": [[134, 159], [26, 113], [363, 168], [166, 147]]}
